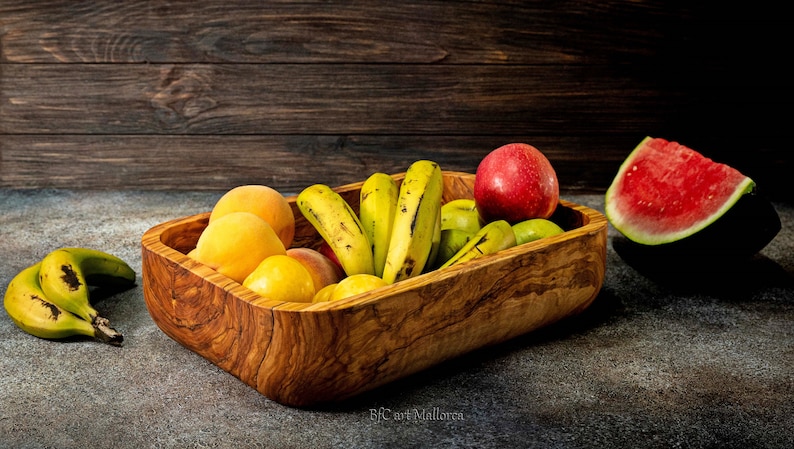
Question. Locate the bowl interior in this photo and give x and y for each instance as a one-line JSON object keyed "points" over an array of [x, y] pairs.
{"points": [[183, 236]]}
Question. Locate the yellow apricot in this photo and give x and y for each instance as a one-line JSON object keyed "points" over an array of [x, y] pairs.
{"points": [[281, 278], [263, 201], [356, 284], [324, 294], [236, 243]]}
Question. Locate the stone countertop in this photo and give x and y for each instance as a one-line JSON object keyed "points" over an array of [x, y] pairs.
{"points": [[649, 364]]}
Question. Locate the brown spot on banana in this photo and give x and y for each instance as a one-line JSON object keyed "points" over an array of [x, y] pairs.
{"points": [[70, 277], [415, 218], [407, 267], [54, 311], [345, 229]]}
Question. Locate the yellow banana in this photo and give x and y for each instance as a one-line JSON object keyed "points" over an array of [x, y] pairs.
{"points": [[29, 308], [376, 210], [338, 225], [66, 273], [494, 236], [435, 245], [416, 223]]}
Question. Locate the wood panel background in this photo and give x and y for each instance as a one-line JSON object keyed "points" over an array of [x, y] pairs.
{"points": [[210, 94]]}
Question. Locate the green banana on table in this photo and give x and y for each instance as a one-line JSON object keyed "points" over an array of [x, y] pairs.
{"points": [[51, 298], [28, 307], [64, 275]]}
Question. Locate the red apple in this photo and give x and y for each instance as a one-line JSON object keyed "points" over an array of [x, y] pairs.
{"points": [[515, 182], [326, 250]]}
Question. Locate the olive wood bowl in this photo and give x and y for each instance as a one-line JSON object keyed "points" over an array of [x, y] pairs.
{"points": [[303, 354]]}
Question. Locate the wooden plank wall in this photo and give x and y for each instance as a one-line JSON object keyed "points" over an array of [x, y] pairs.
{"points": [[210, 94]]}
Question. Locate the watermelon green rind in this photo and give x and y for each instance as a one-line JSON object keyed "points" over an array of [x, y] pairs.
{"points": [[675, 192], [744, 230]]}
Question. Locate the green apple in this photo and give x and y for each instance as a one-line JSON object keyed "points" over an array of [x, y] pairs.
{"points": [[452, 240], [534, 229], [461, 214]]}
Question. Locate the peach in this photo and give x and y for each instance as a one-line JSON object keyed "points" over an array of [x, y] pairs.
{"points": [[236, 243], [281, 278], [263, 201], [322, 269]]}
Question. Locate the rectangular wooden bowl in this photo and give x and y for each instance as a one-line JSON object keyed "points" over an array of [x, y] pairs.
{"points": [[305, 354]]}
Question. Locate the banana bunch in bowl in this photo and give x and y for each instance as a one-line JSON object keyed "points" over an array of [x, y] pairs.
{"points": [[50, 299], [397, 233]]}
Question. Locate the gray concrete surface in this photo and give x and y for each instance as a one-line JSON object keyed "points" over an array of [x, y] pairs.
{"points": [[650, 364]]}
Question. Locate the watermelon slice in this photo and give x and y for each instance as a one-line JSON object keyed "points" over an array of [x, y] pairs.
{"points": [[665, 192]]}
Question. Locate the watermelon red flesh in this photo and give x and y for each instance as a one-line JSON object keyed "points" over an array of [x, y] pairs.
{"points": [[664, 192]]}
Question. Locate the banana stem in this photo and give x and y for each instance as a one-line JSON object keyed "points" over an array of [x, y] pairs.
{"points": [[104, 332]]}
